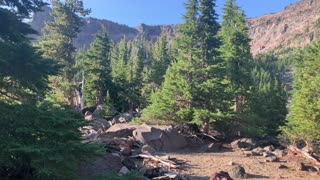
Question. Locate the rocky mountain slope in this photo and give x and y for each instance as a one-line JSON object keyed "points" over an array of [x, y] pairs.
{"points": [[296, 26], [116, 31]]}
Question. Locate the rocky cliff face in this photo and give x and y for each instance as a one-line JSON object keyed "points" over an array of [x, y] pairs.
{"points": [[296, 26], [116, 31]]}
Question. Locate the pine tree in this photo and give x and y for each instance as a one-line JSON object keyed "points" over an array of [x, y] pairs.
{"points": [[57, 44], [194, 89], [23, 72], [161, 59], [96, 67], [235, 51], [120, 74], [303, 119], [267, 106]]}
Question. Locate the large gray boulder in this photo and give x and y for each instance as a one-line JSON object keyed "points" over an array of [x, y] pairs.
{"points": [[160, 139], [120, 131]]}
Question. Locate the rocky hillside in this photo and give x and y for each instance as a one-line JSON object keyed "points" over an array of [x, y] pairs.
{"points": [[116, 31], [296, 26]]}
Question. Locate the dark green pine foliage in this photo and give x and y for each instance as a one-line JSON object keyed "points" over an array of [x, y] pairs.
{"points": [[42, 142], [235, 51], [161, 59], [23, 72], [37, 140], [57, 44], [194, 89], [267, 106], [120, 73], [304, 112], [96, 66]]}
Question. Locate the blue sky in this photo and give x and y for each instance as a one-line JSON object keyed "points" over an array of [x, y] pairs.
{"points": [[154, 12]]}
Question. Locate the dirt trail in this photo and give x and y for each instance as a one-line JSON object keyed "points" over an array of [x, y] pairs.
{"points": [[201, 165]]}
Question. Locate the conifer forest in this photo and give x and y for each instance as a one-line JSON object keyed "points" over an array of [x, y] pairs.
{"points": [[204, 83]]}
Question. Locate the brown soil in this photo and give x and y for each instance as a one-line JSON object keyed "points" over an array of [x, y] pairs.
{"points": [[199, 166]]}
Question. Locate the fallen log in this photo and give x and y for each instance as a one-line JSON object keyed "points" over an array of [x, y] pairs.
{"points": [[303, 154], [166, 163]]}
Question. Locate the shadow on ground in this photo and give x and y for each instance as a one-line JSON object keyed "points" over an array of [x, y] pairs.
{"points": [[257, 176]]}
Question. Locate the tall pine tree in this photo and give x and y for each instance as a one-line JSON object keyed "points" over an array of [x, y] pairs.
{"points": [[57, 43], [194, 89], [235, 51], [96, 66]]}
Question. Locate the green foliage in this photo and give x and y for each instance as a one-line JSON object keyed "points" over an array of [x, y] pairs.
{"points": [[23, 72], [235, 49], [303, 119], [57, 44], [267, 104], [96, 66], [41, 142], [194, 89]]}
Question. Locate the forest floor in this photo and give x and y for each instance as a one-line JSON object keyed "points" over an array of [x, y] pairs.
{"points": [[199, 166]]}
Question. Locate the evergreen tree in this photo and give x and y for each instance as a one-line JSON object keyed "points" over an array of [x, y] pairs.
{"points": [[303, 119], [23, 72], [161, 59], [235, 51], [120, 73], [194, 89], [96, 67], [57, 43], [267, 106]]}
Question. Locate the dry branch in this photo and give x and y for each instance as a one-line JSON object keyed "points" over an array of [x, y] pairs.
{"points": [[303, 154]]}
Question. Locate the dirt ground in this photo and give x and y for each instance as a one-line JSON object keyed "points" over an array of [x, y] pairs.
{"points": [[199, 166]]}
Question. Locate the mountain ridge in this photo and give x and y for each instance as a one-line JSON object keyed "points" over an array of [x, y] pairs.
{"points": [[296, 26]]}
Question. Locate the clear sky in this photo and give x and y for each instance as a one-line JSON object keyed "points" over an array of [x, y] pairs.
{"points": [[155, 12]]}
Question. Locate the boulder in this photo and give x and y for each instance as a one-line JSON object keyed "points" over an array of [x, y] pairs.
{"points": [[245, 144], [120, 130], [159, 139], [238, 172], [122, 118], [98, 112]]}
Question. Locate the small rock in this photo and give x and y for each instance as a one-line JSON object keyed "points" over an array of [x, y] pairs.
{"points": [[267, 154], [222, 175], [271, 159], [269, 148], [258, 151], [283, 166], [247, 153], [124, 170], [146, 149], [278, 153], [231, 163], [238, 171], [171, 175]]}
